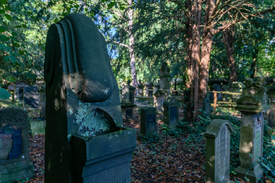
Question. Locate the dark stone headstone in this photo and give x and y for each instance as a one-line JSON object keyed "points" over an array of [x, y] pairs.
{"points": [[31, 96], [171, 112], [148, 120], [15, 163], [83, 111]]}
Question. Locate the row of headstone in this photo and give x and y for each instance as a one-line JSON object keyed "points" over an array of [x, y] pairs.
{"points": [[252, 104]]}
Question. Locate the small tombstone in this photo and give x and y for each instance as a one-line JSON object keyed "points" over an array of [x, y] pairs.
{"points": [[171, 112], [15, 163], [159, 97], [19, 90], [149, 89], [37, 128], [148, 120], [84, 138], [218, 151], [140, 88], [31, 96], [206, 104]]}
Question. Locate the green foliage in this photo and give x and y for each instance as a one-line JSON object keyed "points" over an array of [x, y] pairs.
{"points": [[4, 94]]}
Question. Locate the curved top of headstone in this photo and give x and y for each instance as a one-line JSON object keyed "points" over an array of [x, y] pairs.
{"points": [[85, 61], [215, 126]]}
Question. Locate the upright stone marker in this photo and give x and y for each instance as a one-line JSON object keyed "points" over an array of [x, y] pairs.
{"points": [[83, 111], [218, 151], [148, 120], [171, 112], [15, 163], [149, 89], [251, 104], [31, 96]]}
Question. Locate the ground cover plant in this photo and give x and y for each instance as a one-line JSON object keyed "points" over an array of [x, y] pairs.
{"points": [[171, 155]]}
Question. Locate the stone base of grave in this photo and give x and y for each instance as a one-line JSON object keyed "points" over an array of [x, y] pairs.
{"points": [[254, 176], [104, 158], [17, 171]]}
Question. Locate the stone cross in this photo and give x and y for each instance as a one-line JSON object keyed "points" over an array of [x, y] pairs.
{"points": [[218, 151]]}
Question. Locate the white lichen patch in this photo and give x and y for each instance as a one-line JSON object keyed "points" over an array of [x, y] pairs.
{"points": [[90, 122]]}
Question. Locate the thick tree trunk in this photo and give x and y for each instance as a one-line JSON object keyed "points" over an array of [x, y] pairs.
{"points": [[228, 37], [196, 55], [207, 40], [189, 65], [132, 44]]}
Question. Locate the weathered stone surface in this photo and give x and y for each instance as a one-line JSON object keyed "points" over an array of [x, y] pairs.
{"points": [[31, 96], [37, 127], [14, 144], [171, 112], [253, 98], [218, 151], [82, 101], [148, 120]]}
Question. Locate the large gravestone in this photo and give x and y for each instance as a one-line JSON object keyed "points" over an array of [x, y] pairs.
{"points": [[218, 151], [15, 163], [171, 112], [31, 96], [251, 104], [83, 111], [148, 120]]}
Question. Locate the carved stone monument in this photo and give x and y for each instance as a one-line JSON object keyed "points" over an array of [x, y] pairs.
{"points": [[148, 120], [171, 112], [251, 104], [84, 138], [218, 151], [15, 163]]}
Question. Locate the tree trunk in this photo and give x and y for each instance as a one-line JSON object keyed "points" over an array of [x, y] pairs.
{"points": [[254, 63], [196, 56], [228, 37], [207, 40], [132, 44], [189, 65]]}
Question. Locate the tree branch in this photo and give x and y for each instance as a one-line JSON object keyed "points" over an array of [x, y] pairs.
{"points": [[244, 18], [118, 43], [180, 4]]}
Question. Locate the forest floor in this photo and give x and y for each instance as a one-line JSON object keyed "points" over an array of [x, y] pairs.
{"points": [[165, 158]]}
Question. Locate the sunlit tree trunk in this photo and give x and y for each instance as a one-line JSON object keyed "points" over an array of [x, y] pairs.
{"points": [[132, 44]]}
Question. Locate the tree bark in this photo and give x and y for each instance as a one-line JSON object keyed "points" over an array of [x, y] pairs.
{"points": [[254, 62], [132, 44], [207, 40], [196, 55], [228, 36]]}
